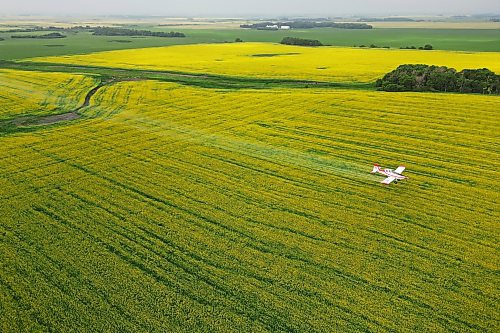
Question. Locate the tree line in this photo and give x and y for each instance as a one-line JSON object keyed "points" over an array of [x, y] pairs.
{"points": [[387, 19], [52, 35], [440, 78], [426, 47], [109, 31], [307, 25], [102, 31], [50, 28], [300, 41]]}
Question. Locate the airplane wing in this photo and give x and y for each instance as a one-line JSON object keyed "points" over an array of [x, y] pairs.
{"points": [[388, 180], [400, 169]]}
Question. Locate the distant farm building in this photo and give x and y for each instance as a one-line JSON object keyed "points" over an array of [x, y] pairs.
{"points": [[274, 26], [285, 27]]}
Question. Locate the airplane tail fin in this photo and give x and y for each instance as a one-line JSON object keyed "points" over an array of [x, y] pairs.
{"points": [[376, 168]]}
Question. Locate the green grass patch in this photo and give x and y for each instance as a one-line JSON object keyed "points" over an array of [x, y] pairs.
{"points": [[85, 42]]}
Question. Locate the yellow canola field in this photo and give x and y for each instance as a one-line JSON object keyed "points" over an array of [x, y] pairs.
{"points": [[280, 61], [24, 93], [179, 204]]}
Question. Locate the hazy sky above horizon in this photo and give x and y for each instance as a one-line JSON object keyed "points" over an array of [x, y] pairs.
{"points": [[248, 7]]}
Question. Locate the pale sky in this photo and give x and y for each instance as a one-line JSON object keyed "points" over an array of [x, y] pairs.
{"points": [[235, 8]]}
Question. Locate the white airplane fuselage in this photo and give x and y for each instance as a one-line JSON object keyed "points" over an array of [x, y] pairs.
{"points": [[396, 174], [390, 173]]}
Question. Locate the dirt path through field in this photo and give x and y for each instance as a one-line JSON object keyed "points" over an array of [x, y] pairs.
{"points": [[72, 115], [52, 119]]}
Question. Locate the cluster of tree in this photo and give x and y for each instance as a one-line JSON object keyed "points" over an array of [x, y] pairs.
{"points": [[307, 25], [1, 39], [373, 46], [237, 40], [300, 41], [110, 31], [427, 47], [435, 78], [52, 35]]}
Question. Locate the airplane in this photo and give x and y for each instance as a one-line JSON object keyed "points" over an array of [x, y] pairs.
{"points": [[392, 175]]}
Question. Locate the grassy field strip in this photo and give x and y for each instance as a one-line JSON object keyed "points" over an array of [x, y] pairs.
{"points": [[330, 64], [442, 35], [172, 207]]}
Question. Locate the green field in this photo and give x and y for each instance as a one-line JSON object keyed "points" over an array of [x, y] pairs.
{"points": [[84, 42], [441, 39]]}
